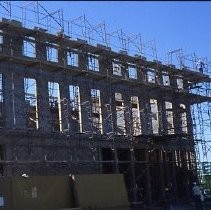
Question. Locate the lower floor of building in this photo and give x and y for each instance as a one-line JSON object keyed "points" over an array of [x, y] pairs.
{"points": [[154, 167]]}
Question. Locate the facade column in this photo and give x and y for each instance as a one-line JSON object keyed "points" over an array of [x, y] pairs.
{"points": [[140, 74], [161, 168], [8, 99], [113, 109], [175, 190], [164, 118], [161, 114], [115, 160], [41, 53], [127, 113], [133, 176], [144, 113], [176, 117], [18, 101], [107, 113], [86, 111], [148, 181], [65, 109], [43, 104]]}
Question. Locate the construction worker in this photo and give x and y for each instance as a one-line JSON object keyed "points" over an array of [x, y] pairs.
{"points": [[197, 196], [200, 66]]}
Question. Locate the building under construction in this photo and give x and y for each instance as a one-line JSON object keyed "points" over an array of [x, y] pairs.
{"points": [[68, 106]]}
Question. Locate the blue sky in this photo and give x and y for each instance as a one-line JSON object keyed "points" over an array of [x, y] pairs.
{"points": [[173, 25]]}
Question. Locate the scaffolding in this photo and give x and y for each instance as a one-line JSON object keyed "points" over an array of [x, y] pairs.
{"points": [[124, 120]]}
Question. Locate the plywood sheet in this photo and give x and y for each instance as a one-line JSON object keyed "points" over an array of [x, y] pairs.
{"points": [[42, 192], [101, 191], [37, 192]]}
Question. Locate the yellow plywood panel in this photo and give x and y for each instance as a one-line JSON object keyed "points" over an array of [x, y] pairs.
{"points": [[41, 192], [101, 191]]}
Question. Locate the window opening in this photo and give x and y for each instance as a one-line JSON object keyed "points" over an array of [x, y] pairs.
{"points": [[93, 62], [52, 53], [30, 90], [166, 79], [169, 117], [154, 116], [120, 114], [179, 83], [29, 48], [1, 40], [117, 68], [132, 71], [151, 76], [96, 110], [75, 108], [183, 117], [55, 106], [72, 58], [136, 116]]}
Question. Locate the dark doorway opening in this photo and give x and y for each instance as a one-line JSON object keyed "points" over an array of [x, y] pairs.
{"points": [[107, 158]]}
